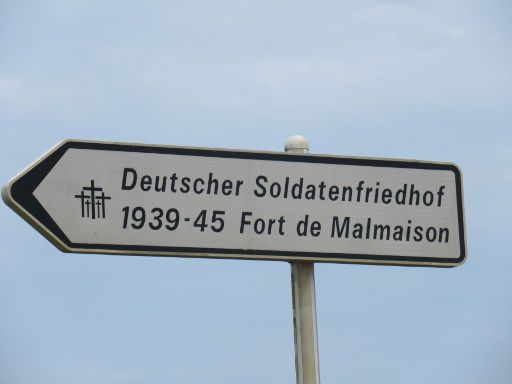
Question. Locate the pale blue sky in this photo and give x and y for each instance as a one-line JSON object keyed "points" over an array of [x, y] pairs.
{"points": [[428, 80]]}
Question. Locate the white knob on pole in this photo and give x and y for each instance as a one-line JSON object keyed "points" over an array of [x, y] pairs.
{"points": [[296, 143]]}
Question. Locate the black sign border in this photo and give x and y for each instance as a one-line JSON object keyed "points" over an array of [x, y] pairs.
{"points": [[18, 194]]}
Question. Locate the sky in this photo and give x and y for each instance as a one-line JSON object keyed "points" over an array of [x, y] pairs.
{"points": [[427, 80]]}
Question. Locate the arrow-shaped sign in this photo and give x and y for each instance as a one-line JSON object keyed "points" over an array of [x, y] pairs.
{"points": [[93, 197]]}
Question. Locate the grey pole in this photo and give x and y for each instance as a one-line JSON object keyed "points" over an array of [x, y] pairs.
{"points": [[304, 303]]}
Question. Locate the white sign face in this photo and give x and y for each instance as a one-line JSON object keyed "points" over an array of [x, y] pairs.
{"points": [[156, 200]]}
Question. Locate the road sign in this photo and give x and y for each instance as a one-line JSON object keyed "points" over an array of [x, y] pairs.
{"points": [[118, 198]]}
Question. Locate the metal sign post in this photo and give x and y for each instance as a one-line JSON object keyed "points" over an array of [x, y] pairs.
{"points": [[305, 333], [155, 200]]}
